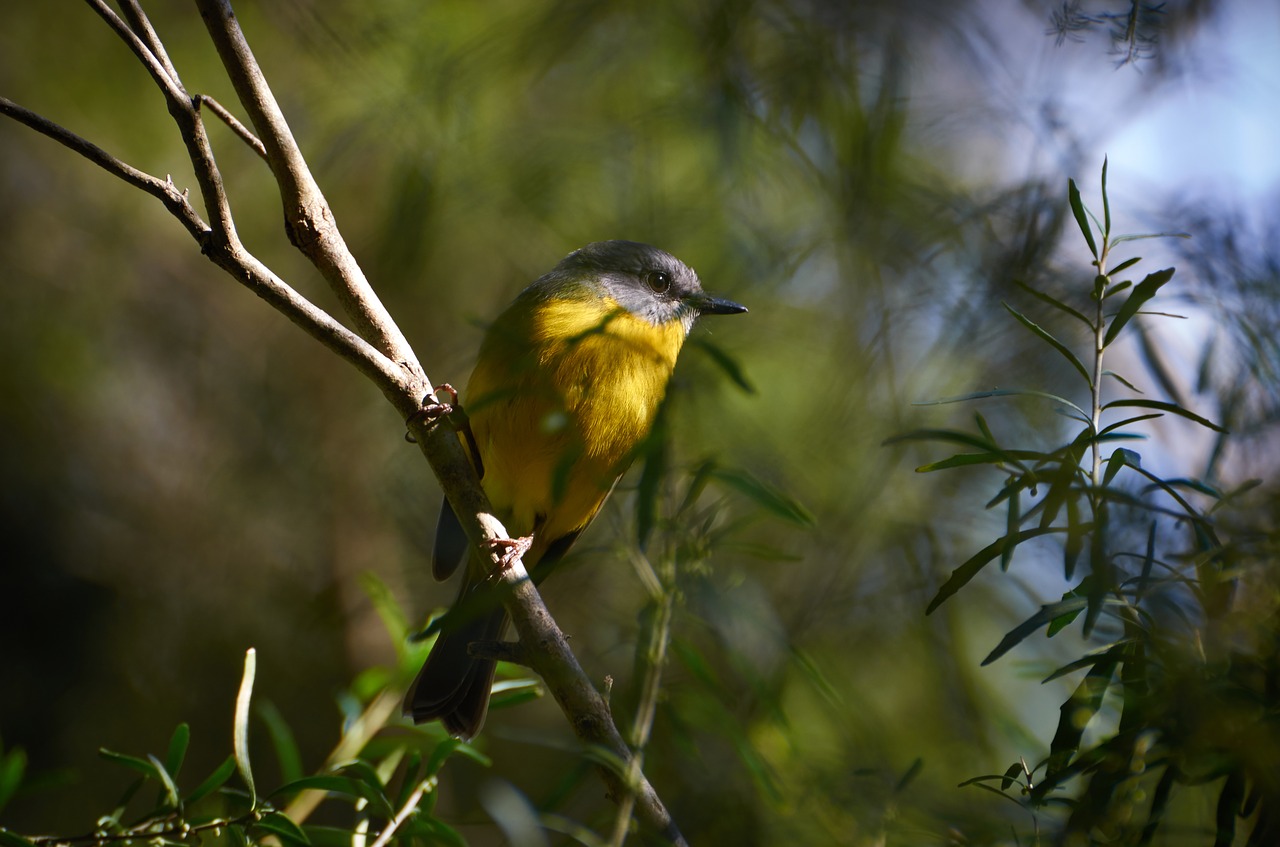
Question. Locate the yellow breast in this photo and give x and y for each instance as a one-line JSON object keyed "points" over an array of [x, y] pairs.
{"points": [[563, 392]]}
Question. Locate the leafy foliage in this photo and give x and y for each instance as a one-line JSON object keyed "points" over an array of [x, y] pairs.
{"points": [[1191, 679]]}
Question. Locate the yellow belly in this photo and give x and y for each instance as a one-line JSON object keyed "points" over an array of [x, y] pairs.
{"points": [[562, 394]]}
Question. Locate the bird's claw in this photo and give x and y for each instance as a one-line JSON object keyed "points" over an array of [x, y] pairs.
{"points": [[433, 409], [509, 550]]}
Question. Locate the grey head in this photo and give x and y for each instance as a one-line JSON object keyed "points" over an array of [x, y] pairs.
{"points": [[647, 282]]}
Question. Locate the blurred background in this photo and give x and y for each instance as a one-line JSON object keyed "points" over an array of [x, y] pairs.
{"points": [[186, 475]]}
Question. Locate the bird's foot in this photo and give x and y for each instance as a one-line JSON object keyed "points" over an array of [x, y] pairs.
{"points": [[509, 550], [433, 408]]}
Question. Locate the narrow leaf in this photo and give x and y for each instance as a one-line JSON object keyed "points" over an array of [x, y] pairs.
{"points": [[727, 363], [166, 779], [967, 571], [1054, 302], [142, 766], [1106, 204], [1077, 209], [282, 827], [1041, 618], [1012, 520], [1120, 239], [13, 766], [1142, 292], [177, 753], [1126, 383], [1171, 408], [771, 499], [1075, 715], [13, 839], [214, 781], [286, 748], [240, 730], [1125, 265], [1048, 338], [1119, 459]]}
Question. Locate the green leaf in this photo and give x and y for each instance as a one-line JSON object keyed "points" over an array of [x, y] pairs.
{"points": [[1106, 204], [967, 571], [1004, 392], [282, 740], [1041, 618], [1142, 292], [769, 498], [343, 786], [1048, 338], [1125, 265], [1113, 427], [1119, 459], [13, 839], [1171, 408], [1077, 209], [1012, 520], [727, 363], [1054, 302], [1116, 289], [910, 774], [1126, 383], [214, 781], [282, 827], [170, 789], [1120, 239], [1073, 545], [1074, 716], [142, 766], [13, 766], [389, 611], [240, 728], [177, 752]]}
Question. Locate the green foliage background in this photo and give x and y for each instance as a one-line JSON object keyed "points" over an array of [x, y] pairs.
{"points": [[187, 475]]}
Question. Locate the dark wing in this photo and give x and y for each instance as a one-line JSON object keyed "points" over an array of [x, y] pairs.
{"points": [[452, 546]]}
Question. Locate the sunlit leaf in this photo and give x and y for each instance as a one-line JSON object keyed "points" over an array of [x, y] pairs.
{"points": [[166, 779], [240, 728]]}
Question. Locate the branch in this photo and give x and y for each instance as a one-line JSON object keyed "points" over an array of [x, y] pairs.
{"points": [[163, 189], [308, 218]]}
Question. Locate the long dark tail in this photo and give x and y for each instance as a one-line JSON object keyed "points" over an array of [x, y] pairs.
{"points": [[453, 686]]}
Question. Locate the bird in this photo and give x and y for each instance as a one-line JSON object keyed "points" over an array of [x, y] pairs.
{"points": [[565, 389]]}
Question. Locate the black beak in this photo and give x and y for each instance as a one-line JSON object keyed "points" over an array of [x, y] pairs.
{"points": [[716, 306]]}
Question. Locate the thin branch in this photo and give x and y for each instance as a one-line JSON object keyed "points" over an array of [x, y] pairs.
{"points": [[163, 189], [654, 652], [168, 84], [410, 805], [139, 23], [246, 135], [309, 220]]}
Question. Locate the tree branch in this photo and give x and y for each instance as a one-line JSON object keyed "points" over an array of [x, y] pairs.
{"points": [[308, 218]]}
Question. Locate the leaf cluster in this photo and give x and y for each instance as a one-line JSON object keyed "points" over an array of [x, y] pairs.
{"points": [[1156, 586]]}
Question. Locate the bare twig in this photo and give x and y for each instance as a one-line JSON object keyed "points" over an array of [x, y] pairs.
{"points": [[653, 652], [174, 200], [231, 121], [308, 218], [139, 24]]}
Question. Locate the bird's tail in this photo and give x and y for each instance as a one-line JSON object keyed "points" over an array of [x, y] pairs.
{"points": [[452, 685]]}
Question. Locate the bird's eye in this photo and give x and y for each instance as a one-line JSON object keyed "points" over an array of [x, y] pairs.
{"points": [[659, 281]]}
